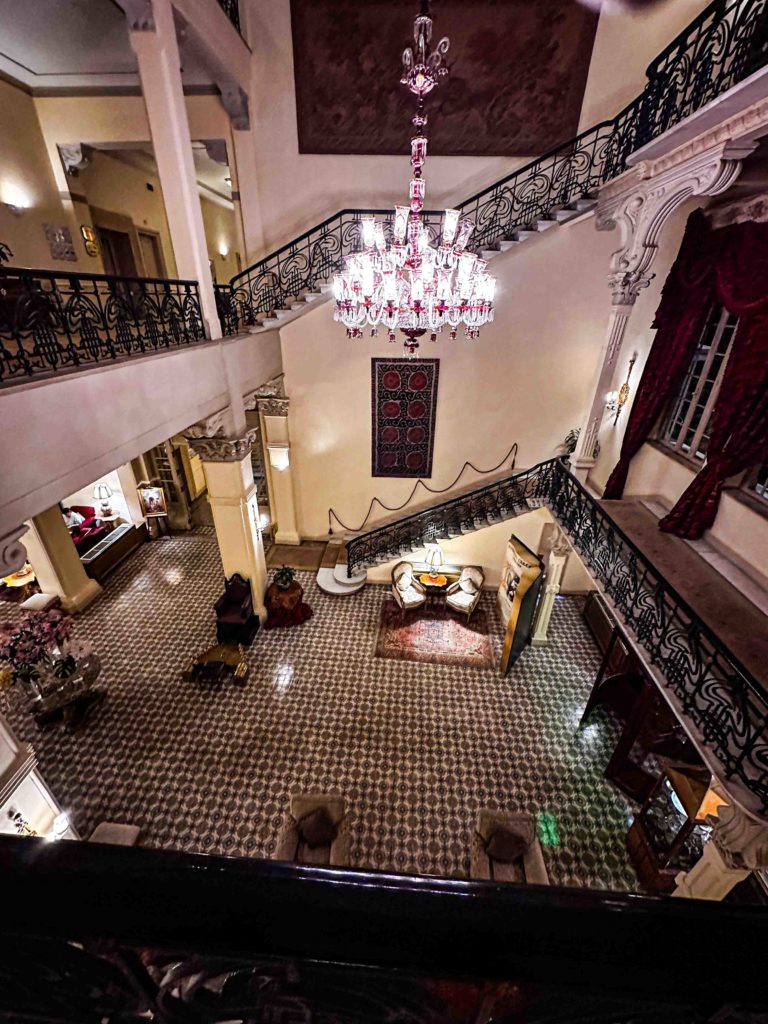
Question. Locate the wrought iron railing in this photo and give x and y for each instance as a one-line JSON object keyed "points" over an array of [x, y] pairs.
{"points": [[728, 706], [722, 46], [232, 10], [51, 321], [94, 933]]}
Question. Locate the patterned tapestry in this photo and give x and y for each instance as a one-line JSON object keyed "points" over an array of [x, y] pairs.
{"points": [[403, 405]]}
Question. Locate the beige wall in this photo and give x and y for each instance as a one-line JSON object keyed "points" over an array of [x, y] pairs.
{"points": [[625, 44], [220, 235], [112, 185], [526, 379], [24, 167]]}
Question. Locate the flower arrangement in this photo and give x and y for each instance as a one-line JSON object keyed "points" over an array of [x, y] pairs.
{"points": [[39, 645]]}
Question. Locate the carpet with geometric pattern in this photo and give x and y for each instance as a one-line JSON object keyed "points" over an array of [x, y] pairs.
{"points": [[434, 635]]}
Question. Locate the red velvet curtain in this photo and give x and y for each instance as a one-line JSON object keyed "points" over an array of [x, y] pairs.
{"points": [[685, 302], [739, 435], [727, 266]]}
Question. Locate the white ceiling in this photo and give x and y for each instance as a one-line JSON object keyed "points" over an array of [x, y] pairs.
{"points": [[58, 45]]}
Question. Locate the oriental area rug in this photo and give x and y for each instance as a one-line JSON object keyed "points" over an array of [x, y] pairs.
{"points": [[434, 635]]}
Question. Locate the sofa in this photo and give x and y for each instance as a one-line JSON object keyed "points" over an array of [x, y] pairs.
{"points": [[89, 532], [505, 848], [327, 839]]}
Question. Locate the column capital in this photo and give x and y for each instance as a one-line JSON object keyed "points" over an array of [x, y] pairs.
{"points": [[741, 839], [270, 389], [13, 554], [223, 449], [273, 406]]}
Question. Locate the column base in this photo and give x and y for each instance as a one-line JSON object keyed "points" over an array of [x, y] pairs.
{"points": [[539, 641], [711, 878], [580, 469], [85, 596], [287, 537]]}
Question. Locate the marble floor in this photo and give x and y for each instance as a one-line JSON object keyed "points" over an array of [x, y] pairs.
{"points": [[417, 749]]}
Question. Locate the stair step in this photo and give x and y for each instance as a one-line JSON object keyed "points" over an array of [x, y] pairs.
{"points": [[270, 321], [524, 234], [488, 254], [542, 225], [564, 215], [585, 204], [507, 243]]}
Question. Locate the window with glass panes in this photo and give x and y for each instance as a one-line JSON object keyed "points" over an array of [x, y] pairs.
{"points": [[688, 424]]}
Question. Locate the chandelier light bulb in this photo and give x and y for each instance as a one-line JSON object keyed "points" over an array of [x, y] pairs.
{"points": [[403, 279]]}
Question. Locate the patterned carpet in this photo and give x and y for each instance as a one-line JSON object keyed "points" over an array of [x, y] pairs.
{"points": [[417, 749]]}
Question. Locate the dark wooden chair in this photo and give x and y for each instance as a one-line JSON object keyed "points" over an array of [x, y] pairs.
{"points": [[235, 618]]}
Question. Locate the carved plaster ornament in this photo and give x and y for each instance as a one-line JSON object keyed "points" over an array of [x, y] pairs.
{"points": [[13, 554], [742, 841], [224, 449]]}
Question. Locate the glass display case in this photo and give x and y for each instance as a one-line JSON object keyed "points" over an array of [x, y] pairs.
{"points": [[668, 834]]}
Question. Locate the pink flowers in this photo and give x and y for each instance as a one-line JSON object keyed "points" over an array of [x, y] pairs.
{"points": [[31, 638]]}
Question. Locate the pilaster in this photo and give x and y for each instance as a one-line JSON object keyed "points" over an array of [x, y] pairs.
{"points": [[273, 414]]}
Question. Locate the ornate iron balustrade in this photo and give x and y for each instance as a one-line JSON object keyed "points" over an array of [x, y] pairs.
{"points": [[722, 46], [96, 933], [728, 706], [51, 321], [232, 10]]}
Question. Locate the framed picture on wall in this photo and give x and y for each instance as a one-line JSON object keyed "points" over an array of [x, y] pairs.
{"points": [[152, 500]]}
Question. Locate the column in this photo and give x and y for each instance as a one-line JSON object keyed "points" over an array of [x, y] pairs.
{"points": [[53, 556], [245, 193], [639, 203], [556, 562], [738, 846], [232, 497], [711, 877], [274, 428], [153, 38]]}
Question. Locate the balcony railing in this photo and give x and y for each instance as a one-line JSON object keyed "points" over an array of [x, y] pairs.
{"points": [[232, 10], [720, 48], [95, 934], [51, 321], [727, 705]]}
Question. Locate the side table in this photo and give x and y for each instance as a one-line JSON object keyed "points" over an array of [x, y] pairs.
{"points": [[285, 605]]}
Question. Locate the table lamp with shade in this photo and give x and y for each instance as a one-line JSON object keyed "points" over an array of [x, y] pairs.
{"points": [[102, 493], [434, 559]]}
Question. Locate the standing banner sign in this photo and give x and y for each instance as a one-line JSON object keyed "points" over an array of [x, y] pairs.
{"points": [[518, 594]]}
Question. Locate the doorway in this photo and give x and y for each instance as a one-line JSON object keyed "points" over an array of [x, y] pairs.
{"points": [[151, 254], [117, 253]]}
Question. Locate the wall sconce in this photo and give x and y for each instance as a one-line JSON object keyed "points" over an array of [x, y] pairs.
{"points": [[616, 400], [15, 199], [279, 457], [223, 250]]}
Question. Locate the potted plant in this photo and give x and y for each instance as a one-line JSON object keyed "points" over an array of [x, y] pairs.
{"points": [[284, 576]]}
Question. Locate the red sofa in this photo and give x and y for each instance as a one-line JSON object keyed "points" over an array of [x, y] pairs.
{"points": [[88, 533]]}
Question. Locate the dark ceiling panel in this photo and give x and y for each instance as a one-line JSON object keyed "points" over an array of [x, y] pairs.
{"points": [[518, 70]]}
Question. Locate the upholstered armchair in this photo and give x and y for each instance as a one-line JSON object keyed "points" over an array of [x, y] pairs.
{"points": [[505, 848], [464, 595], [235, 620], [315, 831], [406, 587]]}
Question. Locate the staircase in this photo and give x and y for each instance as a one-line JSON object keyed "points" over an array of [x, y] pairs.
{"points": [[721, 47], [724, 707]]}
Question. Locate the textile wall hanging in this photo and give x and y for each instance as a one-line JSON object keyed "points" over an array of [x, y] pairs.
{"points": [[403, 405]]}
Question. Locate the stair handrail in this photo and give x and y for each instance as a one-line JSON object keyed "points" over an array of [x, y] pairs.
{"points": [[678, 83], [723, 698], [420, 482]]}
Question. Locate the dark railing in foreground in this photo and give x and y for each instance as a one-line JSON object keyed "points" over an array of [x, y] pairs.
{"points": [[725, 44], [52, 321], [232, 10], [105, 933], [726, 703]]}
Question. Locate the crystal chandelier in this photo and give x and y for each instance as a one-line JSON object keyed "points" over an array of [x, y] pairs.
{"points": [[405, 281]]}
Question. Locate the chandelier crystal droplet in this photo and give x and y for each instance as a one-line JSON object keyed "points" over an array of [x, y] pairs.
{"points": [[402, 279]]}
